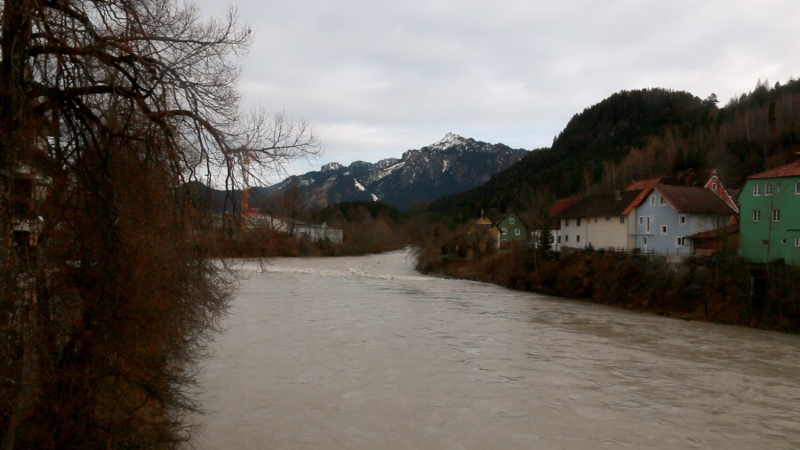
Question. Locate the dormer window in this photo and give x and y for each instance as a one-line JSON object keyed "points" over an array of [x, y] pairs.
{"points": [[714, 186]]}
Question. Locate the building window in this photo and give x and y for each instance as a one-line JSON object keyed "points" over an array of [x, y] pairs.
{"points": [[768, 189], [559, 239], [608, 219], [578, 238], [663, 229], [622, 219], [765, 243], [566, 222], [783, 241], [714, 186], [566, 238], [682, 220], [679, 242], [797, 242], [641, 220], [756, 190], [644, 241], [662, 200], [505, 231], [517, 232], [652, 199], [578, 222], [756, 215], [797, 188], [511, 221], [776, 215]]}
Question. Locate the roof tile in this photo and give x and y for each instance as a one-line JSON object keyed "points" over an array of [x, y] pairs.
{"points": [[789, 170]]}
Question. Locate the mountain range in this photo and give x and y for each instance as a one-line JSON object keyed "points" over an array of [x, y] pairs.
{"points": [[453, 164]]}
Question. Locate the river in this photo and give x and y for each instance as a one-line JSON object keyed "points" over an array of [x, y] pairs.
{"points": [[365, 353]]}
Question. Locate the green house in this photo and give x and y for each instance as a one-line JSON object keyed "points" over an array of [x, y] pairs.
{"points": [[512, 228], [769, 216]]}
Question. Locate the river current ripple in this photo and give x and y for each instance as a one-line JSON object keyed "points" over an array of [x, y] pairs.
{"points": [[364, 353]]}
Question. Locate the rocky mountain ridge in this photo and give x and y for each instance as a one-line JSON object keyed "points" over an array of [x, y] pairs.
{"points": [[451, 165]]}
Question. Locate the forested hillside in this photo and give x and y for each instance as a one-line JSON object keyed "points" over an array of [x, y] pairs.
{"points": [[641, 134]]}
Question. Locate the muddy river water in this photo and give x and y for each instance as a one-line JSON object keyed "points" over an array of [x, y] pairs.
{"points": [[365, 353]]}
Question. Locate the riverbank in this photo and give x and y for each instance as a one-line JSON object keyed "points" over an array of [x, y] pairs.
{"points": [[721, 290]]}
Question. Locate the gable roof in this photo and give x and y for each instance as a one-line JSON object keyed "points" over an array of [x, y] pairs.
{"points": [[694, 200], [562, 205], [602, 205], [643, 184], [514, 216], [789, 170]]}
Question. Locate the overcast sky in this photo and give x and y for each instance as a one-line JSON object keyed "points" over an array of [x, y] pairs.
{"points": [[376, 78]]}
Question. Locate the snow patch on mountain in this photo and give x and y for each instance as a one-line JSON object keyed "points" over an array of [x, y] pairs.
{"points": [[359, 186]]}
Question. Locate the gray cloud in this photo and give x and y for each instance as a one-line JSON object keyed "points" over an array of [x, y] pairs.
{"points": [[378, 78]]}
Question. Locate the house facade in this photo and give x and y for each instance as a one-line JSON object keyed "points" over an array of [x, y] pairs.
{"points": [[486, 232], [512, 229], [668, 215], [769, 220], [317, 233], [600, 221]]}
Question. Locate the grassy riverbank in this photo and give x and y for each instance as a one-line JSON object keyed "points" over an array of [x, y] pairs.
{"points": [[721, 289]]}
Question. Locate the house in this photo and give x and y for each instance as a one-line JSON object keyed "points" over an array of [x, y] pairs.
{"points": [[512, 229], [601, 221], [555, 226], [486, 231], [716, 186], [667, 215], [708, 243], [317, 233], [257, 220], [769, 216]]}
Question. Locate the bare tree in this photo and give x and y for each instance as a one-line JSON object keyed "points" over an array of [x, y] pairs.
{"points": [[106, 299]]}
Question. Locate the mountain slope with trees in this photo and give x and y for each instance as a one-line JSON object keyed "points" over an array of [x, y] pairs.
{"points": [[635, 135]]}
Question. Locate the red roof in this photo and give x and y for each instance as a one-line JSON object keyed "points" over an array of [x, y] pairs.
{"points": [[562, 206], [694, 200], [643, 184], [789, 170]]}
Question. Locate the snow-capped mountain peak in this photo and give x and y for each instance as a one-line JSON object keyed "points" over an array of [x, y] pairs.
{"points": [[449, 140]]}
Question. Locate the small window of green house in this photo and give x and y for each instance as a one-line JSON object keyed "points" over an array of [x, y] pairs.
{"points": [[517, 232], [756, 215], [756, 190], [797, 188], [511, 221], [768, 189], [797, 242], [776, 215]]}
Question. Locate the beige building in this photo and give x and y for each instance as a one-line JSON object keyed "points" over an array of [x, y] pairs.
{"points": [[605, 221]]}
